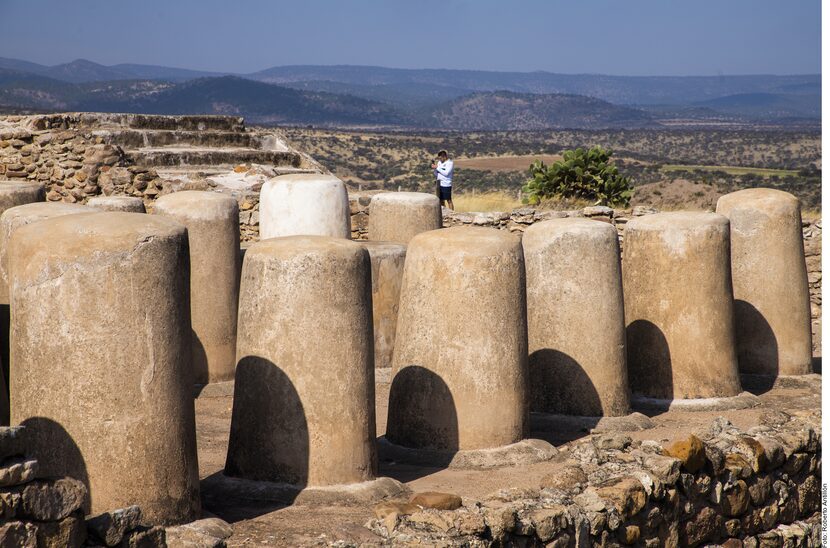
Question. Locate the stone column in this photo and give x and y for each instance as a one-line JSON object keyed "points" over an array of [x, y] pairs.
{"points": [[130, 204], [460, 360], [678, 306], [12, 194], [387, 273], [398, 216], [307, 204], [16, 217], [575, 318], [304, 403], [212, 222], [10, 220], [100, 323], [769, 279]]}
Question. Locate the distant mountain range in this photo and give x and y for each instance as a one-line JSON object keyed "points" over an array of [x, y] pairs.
{"points": [[428, 98]]}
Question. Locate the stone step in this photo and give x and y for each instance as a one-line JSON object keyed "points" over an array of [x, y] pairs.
{"points": [[141, 138], [204, 171], [187, 156], [161, 122]]}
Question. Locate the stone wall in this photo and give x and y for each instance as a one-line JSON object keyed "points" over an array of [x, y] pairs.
{"points": [[71, 161], [759, 487]]}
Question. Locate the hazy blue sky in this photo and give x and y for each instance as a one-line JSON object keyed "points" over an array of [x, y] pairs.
{"points": [[634, 37]]}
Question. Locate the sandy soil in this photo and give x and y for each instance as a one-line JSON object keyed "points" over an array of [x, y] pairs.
{"points": [[264, 525]]}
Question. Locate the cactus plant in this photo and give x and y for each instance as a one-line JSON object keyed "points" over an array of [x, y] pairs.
{"points": [[586, 174]]}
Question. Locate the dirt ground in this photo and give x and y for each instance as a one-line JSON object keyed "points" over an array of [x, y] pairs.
{"points": [[258, 524]]}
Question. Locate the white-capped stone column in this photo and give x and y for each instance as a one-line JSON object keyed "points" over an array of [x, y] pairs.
{"points": [[306, 204]]}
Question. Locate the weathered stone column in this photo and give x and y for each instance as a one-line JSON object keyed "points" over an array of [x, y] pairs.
{"points": [[678, 306], [16, 217], [10, 220], [575, 318], [12, 194], [769, 279], [387, 273], [100, 323], [212, 222], [130, 204], [304, 405], [307, 204], [460, 360], [398, 216]]}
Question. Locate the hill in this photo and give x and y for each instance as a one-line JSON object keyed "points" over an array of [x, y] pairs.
{"points": [[626, 90], [423, 98], [83, 70], [768, 105], [525, 111], [258, 102]]}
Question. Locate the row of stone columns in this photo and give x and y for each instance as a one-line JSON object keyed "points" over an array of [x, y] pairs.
{"points": [[119, 290]]}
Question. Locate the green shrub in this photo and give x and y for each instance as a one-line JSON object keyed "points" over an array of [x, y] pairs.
{"points": [[585, 174]]}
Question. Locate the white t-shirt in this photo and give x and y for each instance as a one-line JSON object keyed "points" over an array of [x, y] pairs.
{"points": [[443, 172]]}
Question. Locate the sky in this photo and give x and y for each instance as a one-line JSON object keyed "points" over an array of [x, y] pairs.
{"points": [[622, 37]]}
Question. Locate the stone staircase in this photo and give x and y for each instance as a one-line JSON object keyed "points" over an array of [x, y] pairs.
{"points": [[189, 148]]}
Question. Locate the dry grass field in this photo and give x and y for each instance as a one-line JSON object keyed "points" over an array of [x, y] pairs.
{"points": [[504, 163]]}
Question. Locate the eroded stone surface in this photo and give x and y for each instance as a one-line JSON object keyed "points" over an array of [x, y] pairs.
{"points": [[680, 340], [452, 354], [304, 365], [400, 216], [570, 262], [129, 434]]}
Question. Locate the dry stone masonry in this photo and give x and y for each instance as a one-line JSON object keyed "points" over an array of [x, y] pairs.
{"points": [[77, 156], [720, 486]]}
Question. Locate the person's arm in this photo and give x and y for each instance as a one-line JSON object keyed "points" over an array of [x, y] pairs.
{"points": [[444, 168]]}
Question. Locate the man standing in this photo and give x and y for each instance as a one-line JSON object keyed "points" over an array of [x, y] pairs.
{"points": [[443, 174]]}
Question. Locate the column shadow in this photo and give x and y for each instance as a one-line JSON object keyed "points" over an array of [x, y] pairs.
{"points": [[422, 425], [268, 449], [56, 452], [559, 384], [757, 348], [649, 363], [198, 360]]}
